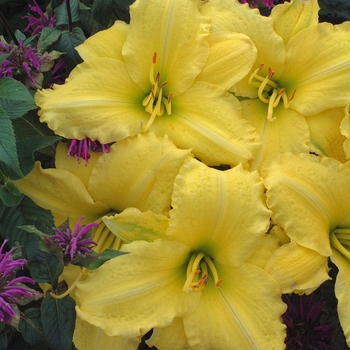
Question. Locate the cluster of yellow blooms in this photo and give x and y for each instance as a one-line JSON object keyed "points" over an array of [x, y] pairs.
{"points": [[188, 86]]}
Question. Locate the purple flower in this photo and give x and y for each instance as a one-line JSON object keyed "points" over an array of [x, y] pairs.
{"points": [[303, 320], [256, 3], [35, 24], [12, 292], [80, 148], [73, 245], [25, 63]]}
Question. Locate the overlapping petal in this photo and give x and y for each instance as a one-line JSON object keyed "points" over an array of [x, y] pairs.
{"points": [[176, 31], [208, 206], [138, 172], [242, 314], [129, 301], [94, 103], [297, 269], [288, 133], [213, 128], [308, 198], [107, 43]]}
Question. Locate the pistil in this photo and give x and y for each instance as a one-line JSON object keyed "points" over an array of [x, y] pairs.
{"points": [[198, 270], [155, 103], [269, 92]]}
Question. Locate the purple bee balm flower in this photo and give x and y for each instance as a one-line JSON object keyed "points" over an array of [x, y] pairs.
{"points": [[35, 24], [80, 148], [74, 245], [257, 3], [12, 291], [25, 63], [303, 321]]}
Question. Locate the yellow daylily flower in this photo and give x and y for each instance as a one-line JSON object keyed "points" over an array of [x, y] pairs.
{"points": [[309, 199], [197, 274], [163, 72], [138, 172], [301, 70]]}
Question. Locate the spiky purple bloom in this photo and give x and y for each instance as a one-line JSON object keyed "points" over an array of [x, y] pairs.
{"points": [[35, 24], [303, 320], [79, 149], [74, 245], [25, 63], [255, 3], [12, 291]]}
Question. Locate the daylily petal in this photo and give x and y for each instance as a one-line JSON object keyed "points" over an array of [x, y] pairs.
{"points": [[244, 313], [176, 31], [89, 337], [208, 205], [307, 197], [290, 18], [345, 130], [80, 169], [216, 138], [320, 75], [230, 59], [231, 16], [325, 133], [98, 100], [297, 269], [342, 291], [106, 43], [288, 133], [62, 192], [132, 225], [138, 172], [129, 301], [170, 338]]}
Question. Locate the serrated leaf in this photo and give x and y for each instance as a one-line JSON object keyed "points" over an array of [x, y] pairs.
{"points": [[67, 44], [48, 37], [15, 99], [8, 149], [58, 319], [62, 14], [9, 194], [43, 266], [26, 213], [27, 147], [94, 261], [102, 11], [31, 328]]}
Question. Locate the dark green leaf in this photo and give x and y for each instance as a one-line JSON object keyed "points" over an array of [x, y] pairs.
{"points": [[48, 37], [102, 11], [31, 328], [62, 15], [58, 319], [26, 213], [94, 261], [43, 266], [27, 147], [122, 8], [3, 341], [8, 150], [9, 193], [334, 11], [67, 43], [15, 99]]}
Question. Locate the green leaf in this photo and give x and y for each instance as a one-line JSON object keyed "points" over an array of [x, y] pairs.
{"points": [[58, 319], [26, 213], [102, 11], [27, 147], [31, 328], [15, 99], [43, 266], [8, 150], [334, 11], [48, 37], [62, 15], [67, 43], [94, 261], [9, 193], [122, 8]]}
